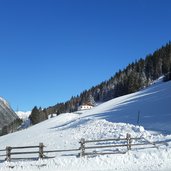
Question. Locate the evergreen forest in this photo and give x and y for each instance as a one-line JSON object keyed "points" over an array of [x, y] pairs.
{"points": [[136, 76]]}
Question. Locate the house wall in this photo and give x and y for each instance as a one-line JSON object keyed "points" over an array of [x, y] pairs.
{"points": [[85, 107]]}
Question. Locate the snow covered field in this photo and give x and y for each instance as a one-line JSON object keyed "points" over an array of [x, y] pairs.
{"points": [[112, 119], [153, 104]]}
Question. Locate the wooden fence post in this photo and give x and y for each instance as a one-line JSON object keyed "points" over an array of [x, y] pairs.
{"points": [[8, 153], [41, 150], [82, 148], [128, 138]]}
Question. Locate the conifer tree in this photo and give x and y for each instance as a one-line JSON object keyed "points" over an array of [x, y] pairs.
{"points": [[35, 116], [134, 77]]}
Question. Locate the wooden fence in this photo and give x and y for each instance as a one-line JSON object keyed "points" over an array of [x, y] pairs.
{"points": [[40, 151], [109, 145], [121, 142]]}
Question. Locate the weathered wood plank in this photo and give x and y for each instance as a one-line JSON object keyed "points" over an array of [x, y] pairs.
{"points": [[55, 151], [107, 146], [25, 147], [118, 139], [3, 150], [28, 152]]}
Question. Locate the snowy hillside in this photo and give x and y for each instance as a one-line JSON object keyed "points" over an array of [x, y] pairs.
{"points": [[152, 104], [66, 130]]}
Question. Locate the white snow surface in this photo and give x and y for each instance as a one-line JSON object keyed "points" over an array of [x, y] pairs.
{"points": [[153, 104], [113, 119], [23, 115]]}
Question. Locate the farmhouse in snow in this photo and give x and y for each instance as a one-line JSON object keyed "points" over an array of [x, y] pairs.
{"points": [[85, 107]]}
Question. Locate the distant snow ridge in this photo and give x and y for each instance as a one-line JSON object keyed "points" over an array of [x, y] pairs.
{"points": [[23, 115]]}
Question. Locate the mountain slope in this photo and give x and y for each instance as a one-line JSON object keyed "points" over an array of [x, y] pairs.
{"points": [[66, 130], [152, 104], [135, 76], [7, 117]]}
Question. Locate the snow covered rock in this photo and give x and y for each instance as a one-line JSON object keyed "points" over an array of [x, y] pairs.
{"points": [[8, 118]]}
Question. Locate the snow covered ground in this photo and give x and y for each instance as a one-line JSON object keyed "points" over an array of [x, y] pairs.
{"points": [[152, 104], [112, 119]]}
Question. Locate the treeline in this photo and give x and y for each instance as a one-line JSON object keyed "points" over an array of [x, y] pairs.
{"points": [[134, 77], [38, 115], [11, 127]]}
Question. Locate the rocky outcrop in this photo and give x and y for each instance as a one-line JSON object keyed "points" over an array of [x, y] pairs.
{"points": [[9, 121]]}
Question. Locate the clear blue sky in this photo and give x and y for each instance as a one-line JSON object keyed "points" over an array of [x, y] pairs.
{"points": [[51, 50]]}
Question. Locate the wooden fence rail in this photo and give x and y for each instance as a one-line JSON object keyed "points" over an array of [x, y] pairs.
{"points": [[2, 150], [56, 151], [10, 152], [40, 149], [25, 147], [117, 139], [127, 144]]}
